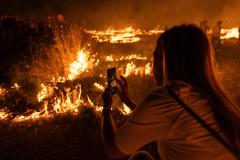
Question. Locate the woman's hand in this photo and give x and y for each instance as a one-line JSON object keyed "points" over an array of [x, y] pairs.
{"points": [[123, 93], [107, 99]]}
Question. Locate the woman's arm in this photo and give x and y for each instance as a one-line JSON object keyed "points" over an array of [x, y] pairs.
{"points": [[109, 128], [124, 93]]}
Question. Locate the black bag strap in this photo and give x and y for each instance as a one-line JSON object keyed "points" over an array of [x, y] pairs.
{"points": [[204, 124]]}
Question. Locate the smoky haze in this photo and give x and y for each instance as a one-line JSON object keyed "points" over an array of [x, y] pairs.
{"points": [[122, 13]]}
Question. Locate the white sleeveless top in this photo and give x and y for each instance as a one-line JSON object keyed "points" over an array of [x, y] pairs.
{"points": [[179, 136]]}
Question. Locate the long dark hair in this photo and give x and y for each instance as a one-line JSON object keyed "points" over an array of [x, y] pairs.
{"points": [[184, 53]]}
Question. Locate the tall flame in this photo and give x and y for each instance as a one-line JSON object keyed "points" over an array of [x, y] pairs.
{"points": [[45, 92], [81, 64]]}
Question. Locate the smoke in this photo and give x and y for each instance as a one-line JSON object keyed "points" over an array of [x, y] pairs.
{"points": [[116, 13]]}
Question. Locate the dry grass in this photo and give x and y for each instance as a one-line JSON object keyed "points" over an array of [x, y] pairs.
{"points": [[62, 137], [54, 61]]}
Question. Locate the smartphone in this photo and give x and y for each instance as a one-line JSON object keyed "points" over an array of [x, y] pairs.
{"points": [[111, 75]]}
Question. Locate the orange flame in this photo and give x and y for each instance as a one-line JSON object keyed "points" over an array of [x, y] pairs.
{"points": [[132, 69], [126, 35], [45, 92], [82, 64], [99, 86], [230, 33]]}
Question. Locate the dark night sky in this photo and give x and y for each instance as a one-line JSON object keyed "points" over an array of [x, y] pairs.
{"points": [[121, 13]]}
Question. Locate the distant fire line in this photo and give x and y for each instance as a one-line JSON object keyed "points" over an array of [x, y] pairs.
{"points": [[131, 35]]}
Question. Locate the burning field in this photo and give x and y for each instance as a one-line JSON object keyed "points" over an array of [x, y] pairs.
{"points": [[52, 107]]}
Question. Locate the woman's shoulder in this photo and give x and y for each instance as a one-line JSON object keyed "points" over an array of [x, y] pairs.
{"points": [[156, 96], [181, 88], [156, 106], [161, 95]]}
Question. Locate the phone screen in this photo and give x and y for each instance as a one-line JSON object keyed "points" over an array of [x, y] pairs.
{"points": [[111, 74]]}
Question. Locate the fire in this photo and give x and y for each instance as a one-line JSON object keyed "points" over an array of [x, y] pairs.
{"points": [[124, 38], [69, 104], [230, 33], [2, 91], [15, 86], [99, 86], [67, 99], [125, 58], [45, 91], [126, 35], [132, 69], [35, 115], [148, 69], [61, 104], [70, 99], [64, 94], [125, 110], [3, 115], [155, 31], [59, 79], [110, 58], [82, 64], [131, 35]]}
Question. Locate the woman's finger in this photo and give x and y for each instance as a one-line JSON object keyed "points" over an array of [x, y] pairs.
{"points": [[119, 82], [124, 80]]}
